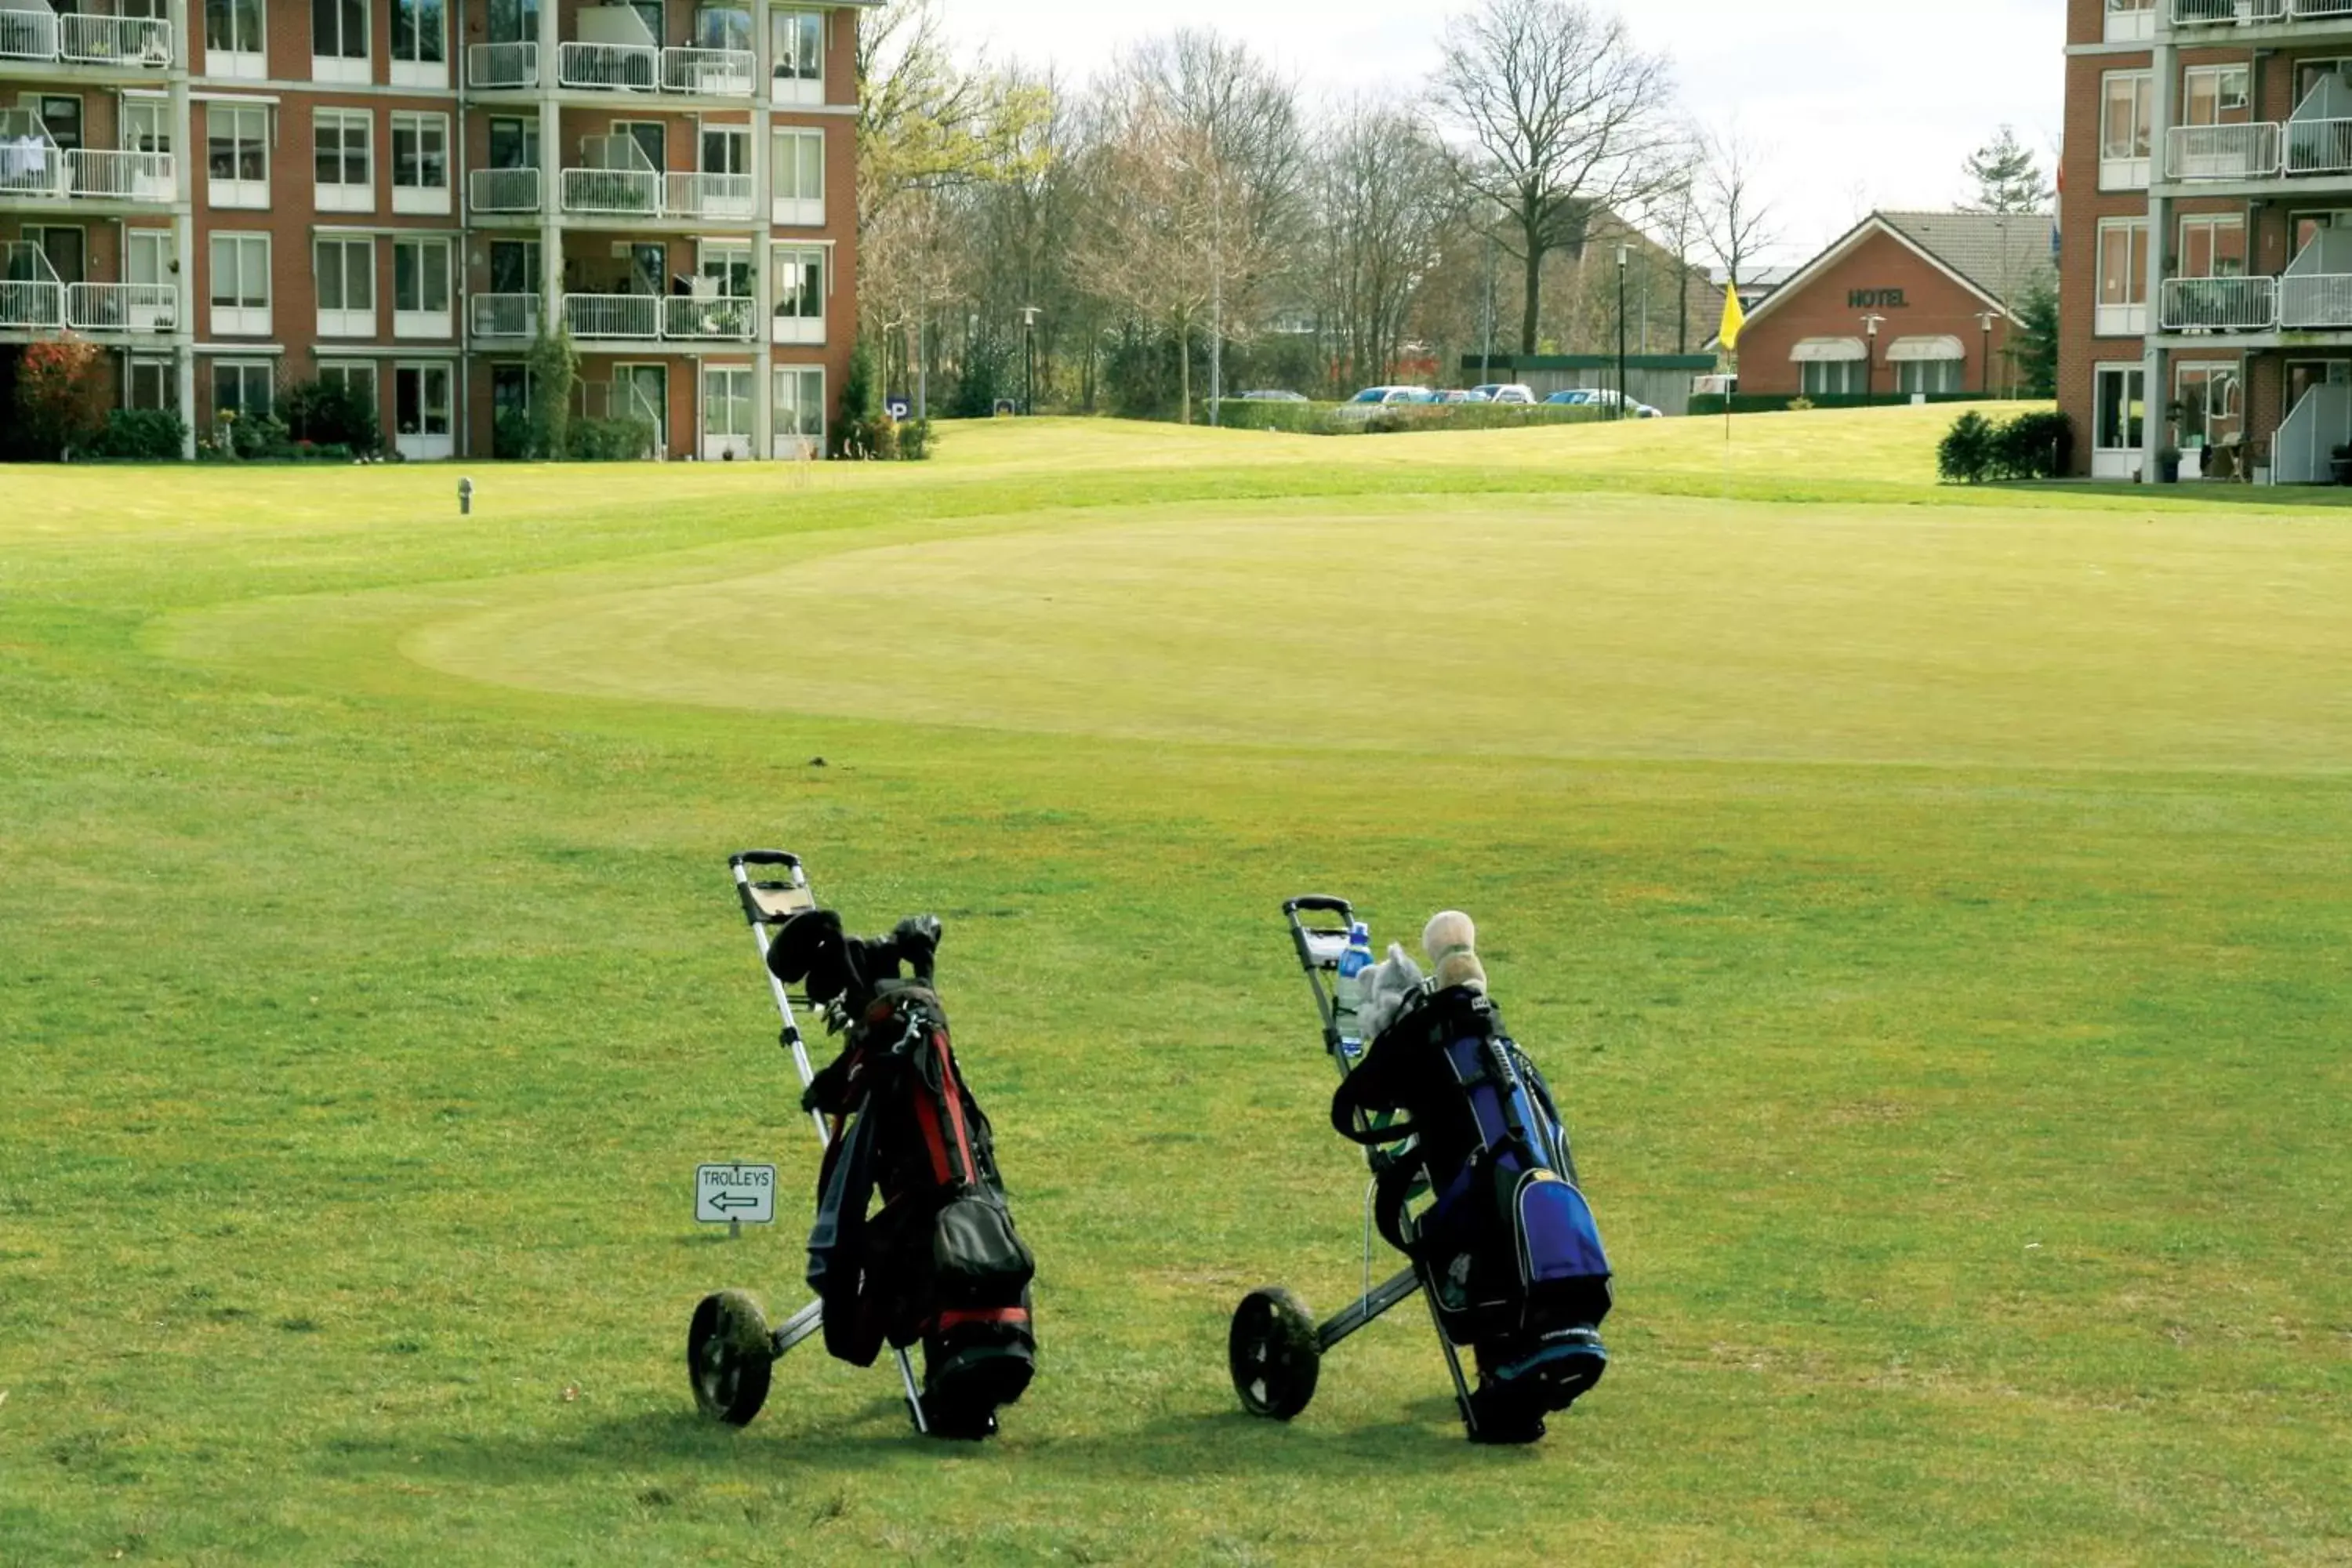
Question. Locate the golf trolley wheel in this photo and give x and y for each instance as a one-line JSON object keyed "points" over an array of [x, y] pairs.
{"points": [[729, 1355], [1274, 1354]]}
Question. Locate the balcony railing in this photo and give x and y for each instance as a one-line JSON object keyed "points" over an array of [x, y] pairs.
{"points": [[2227, 13], [708, 195], [708, 73], [2315, 302], [104, 175], [2223, 152], [503, 190], [144, 41], [619, 192], [613, 315], [506, 315], [123, 307], [609, 68], [727, 319], [2219, 305], [27, 35], [490, 68], [33, 303], [2319, 146]]}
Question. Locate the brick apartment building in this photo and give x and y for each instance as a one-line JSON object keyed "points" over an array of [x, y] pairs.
{"points": [[2207, 211], [1903, 302], [234, 196]]}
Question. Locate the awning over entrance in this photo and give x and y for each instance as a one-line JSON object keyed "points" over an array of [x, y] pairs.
{"points": [[1907, 351], [1827, 350]]}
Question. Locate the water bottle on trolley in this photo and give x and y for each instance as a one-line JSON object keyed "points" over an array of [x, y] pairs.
{"points": [[1348, 990]]}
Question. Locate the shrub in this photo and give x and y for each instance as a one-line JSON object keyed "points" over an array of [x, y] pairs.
{"points": [[1965, 456], [2033, 446], [330, 413], [258, 435], [915, 438], [861, 401], [1801, 404], [510, 435], [607, 440], [60, 396], [139, 435], [554, 368]]}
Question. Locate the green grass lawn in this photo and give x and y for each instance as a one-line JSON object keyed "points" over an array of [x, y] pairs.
{"points": [[1931, 906]]}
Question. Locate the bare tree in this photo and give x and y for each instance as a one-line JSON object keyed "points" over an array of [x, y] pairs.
{"points": [[924, 120], [1736, 218], [1383, 192], [1673, 219], [1560, 118]]}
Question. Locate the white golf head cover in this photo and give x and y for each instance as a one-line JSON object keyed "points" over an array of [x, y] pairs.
{"points": [[1452, 943]]}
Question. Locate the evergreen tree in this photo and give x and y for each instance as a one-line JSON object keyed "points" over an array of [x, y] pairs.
{"points": [[2033, 340], [2007, 176]]}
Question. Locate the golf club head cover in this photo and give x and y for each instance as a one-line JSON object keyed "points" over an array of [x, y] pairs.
{"points": [[809, 951], [917, 940]]}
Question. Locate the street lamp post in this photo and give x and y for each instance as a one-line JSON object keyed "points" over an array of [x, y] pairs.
{"points": [[1870, 325], [1216, 296], [1984, 376], [1623, 254], [1029, 360]]}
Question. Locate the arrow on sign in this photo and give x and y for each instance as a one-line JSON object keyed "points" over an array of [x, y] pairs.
{"points": [[726, 1201]]}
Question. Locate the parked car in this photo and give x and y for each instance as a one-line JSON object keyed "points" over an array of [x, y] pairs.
{"points": [[1505, 392], [1603, 397], [1457, 395], [1382, 396], [1273, 394]]}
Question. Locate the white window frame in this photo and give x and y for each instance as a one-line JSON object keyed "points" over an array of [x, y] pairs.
{"points": [[727, 418], [2130, 21], [244, 63], [2123, 166], [424, 445], [242, 318], [799, 326], [2118, 462], [352, 371], [162, 374], [144, 124], [344, 320], [344, 195], [2126, 317], [429, 200], [796, 80], [2222, 103], [422, 320], [1832, 378], [245, 369], [341, 64], [1929, 376], [798, 209], [413, 70], [805, 436], [248, 123]]}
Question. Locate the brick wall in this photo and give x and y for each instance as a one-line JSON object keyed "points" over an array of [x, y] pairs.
{"points": [[1933, 304]]}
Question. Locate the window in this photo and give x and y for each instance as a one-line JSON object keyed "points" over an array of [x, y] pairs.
{"points": [[726, 151], [797, 275], [359, 376], [240, 284], [61, 114], [420, 162], [2118, 419], [2126, 126], [340, 138], [419, 56], [2123, 278], [236, 155], [509, 390], [234, 40], [420, 288], [62, 246], [146, 125], [2209, 405], [722, 28], [2130, 21], [151, 258], [2213, 245], [514, 266], [420, 410], [514, 144], [797, 40], [241, 387], [514, 21], [346, 279], [727, 412], [2208, 92], [1833, 378], [152, 385], [651, 137], [339, 40], [727, 266], [1927, 375], [799, 412], [799, 177]]}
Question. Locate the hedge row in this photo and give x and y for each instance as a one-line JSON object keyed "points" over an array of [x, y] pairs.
{"points": [[1345, 419], [1779, 402]]}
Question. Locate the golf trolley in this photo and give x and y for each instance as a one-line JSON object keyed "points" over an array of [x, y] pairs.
{"points": [[1276, 1347], [730, 1350]]}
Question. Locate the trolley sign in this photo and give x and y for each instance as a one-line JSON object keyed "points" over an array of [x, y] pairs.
{"points": [[735, 1194]]}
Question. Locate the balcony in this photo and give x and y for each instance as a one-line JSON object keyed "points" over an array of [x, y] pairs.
{"points": [[502, 190], [2196, 153], [653, 318], [506, 315], [36, 304], [708, 73], [640, 68], [123, 307], [34, 32], [648, 192], [2315, 302], [708, 196], [2219, 305], [498, 68]]}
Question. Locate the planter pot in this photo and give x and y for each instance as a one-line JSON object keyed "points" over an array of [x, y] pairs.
{"points": [[2167, 471], [2342, 469]]}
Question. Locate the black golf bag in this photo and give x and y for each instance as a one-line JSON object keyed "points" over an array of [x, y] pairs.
{"points": [[939, 1261], [1508, 1245]]}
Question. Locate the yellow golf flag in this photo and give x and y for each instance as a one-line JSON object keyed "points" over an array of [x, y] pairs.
{"points": [[1734, 317]]}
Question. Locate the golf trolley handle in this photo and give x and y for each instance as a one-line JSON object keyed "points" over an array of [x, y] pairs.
{"points": [[764, 858], [1318, 903]]}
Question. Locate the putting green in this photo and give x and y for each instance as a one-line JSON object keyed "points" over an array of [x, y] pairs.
{"points": [[1540, 626]]}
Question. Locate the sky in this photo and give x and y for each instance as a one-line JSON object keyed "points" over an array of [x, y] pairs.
{"points": [[1856, 103]]}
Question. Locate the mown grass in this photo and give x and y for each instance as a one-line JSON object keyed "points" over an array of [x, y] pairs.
{"points": [[1931, 904]]}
